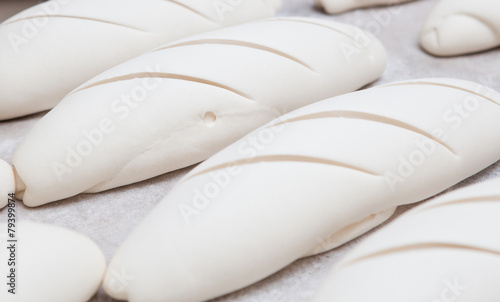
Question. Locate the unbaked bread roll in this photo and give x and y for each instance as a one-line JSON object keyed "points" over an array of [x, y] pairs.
{"points": [[48, 264], [340, 6], [50, 49], [180, 104], [457, 27], [306, 183], [7, 183], [447, 249]]}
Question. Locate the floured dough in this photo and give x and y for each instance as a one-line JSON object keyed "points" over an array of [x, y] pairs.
{"points": [[445, 250], [315, 177], [340, 6], [179, 104], [457, 27], [51, 264], [48, 50], [7, 183]]}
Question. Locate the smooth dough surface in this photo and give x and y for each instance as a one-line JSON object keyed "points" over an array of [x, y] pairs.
{"points": [[447, 249], [179, 104], [457, 27], [307, 179], [7, 183], [340, 6], [50, 49], [53, 264]]}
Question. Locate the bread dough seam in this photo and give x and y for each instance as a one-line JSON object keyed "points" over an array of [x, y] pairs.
{"points": [[76, 17], [282, 158], [161, 75], [367, 117], [420, 246], [238, 43], [442, 85], [317, 24]]}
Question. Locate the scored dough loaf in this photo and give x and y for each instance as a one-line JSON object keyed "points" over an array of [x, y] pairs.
{"points": [[48, 50], [305, 183], [181, 103], [447, 249], [52, 264], [340, 6], [457, 27]]}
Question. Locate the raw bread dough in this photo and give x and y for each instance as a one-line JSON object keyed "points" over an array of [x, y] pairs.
{"points": [[53, 264], [304, 179], [43, 58], [7, 183], [448, 249], [457, 27], [351, 231], [340, 6], [180, 104]]}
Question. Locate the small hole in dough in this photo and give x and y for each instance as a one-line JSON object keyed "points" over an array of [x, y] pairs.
{"points": [[209, 119]]}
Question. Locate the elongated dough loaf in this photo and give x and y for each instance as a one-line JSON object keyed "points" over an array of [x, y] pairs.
{"points": [[180, 104], [51, 264], [50, 49], [445, 250], [306, 183], [340, 6], [457, 27]]}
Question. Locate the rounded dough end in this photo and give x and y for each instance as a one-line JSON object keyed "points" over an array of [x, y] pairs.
{"points": [[7, 183], [56, 264], [458, 35]]}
